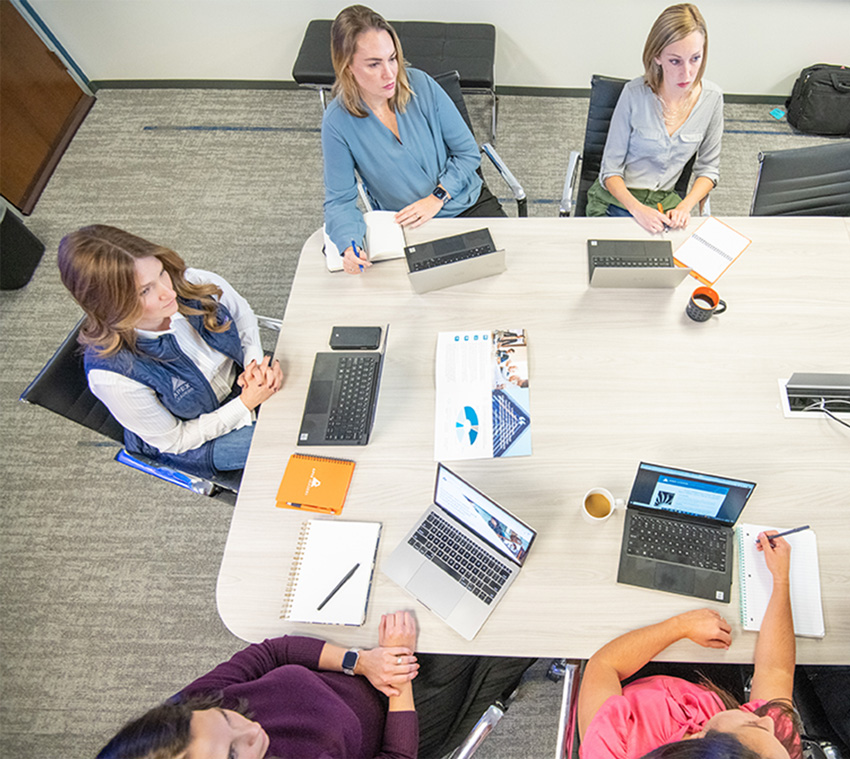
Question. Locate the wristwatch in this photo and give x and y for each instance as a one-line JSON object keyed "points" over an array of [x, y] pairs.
{"points": [[349, 661], [440, 194]]}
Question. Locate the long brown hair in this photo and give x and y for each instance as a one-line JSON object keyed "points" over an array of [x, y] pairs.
{"points": [[98, 266], [674, 24], [346, 28]]}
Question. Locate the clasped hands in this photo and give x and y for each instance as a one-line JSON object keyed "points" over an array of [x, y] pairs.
{"points": [[259, 382], [392, 663], [656, 221]]}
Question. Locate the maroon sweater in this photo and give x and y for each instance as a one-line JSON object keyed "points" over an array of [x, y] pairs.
{"points": [[310, 714]]}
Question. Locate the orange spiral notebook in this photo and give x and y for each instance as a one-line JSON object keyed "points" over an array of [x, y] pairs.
{"points": [[315, 483]]}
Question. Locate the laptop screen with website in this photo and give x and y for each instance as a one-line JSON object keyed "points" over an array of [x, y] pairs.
{"points": [[484, 517], [679, 491]]}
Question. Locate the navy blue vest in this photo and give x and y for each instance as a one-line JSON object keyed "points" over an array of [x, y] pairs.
{"points": [[178, 383]]}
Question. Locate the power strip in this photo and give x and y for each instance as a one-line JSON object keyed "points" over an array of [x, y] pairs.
{"points": [[807, 390]]}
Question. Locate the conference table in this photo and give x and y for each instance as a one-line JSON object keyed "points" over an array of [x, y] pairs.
{"points": [[616, 377]]}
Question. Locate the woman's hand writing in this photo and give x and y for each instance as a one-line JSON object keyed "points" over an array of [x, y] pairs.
{"points": [[354, 264], [777, 555], [706, 627], [651, 219], [259, 382]]}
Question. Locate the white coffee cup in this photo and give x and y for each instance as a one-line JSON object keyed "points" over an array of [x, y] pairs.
{"points": [[598, 505]]}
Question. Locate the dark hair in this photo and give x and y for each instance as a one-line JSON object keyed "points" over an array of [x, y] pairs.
{"points": [[713, 745], [349, 24], [97, 265], [163, 732]]}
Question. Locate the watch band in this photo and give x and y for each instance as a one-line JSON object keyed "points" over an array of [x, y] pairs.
{"points": [[349, 661]]}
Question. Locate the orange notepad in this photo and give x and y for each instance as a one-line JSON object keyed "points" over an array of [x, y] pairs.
{"points": [[315, 483]]}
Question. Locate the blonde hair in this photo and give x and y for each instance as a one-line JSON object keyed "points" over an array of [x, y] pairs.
{"points": [[98, 266], [674, 24], [345, 31]]}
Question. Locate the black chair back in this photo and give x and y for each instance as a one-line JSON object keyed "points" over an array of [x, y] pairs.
{"points": [[450, 82], [61, 386], [604, 94], [811, 181]]}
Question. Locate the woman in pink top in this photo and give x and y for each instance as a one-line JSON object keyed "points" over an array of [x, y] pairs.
{"points": [[667, 717]]}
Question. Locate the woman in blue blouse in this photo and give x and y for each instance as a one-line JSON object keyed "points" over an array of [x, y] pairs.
{"points": [[400, 131], [661, 120]]}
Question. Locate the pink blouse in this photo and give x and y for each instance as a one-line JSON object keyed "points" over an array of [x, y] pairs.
{"points": [[654, 711]]}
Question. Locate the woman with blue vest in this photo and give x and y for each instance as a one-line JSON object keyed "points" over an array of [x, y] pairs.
{"points": [[397, 129], [174, 353]]}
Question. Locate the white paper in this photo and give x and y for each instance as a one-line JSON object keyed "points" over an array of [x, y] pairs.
{"points": [[711, 249], [384, 240]]}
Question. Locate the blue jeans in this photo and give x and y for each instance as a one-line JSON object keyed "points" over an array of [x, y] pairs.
{"points": [[617, 211], [231, 450]]}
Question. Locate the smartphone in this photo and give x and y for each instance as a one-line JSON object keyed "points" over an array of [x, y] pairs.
{"points": [[355, 338]]}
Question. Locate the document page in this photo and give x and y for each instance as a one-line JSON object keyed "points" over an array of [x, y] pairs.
{"points": [[711, 250], [482, 408]]}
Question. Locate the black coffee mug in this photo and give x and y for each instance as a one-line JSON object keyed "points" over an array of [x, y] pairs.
{"points": [[704, 303]]}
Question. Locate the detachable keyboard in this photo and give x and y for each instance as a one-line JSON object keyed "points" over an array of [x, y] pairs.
{"points": [[680, 542], [348, 418], [430, 263], [622, 262], [465, 561]]}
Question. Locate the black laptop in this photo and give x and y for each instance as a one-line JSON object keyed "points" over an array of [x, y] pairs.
{"points": [[678, 532], [343, 395]]}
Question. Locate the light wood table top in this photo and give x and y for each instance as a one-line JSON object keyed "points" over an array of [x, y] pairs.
{"points": [[616, 377]]}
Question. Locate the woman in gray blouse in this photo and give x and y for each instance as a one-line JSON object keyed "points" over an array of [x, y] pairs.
{"points": [[661, 120]]}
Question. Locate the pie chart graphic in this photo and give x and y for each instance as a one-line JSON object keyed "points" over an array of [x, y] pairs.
{"points": [[466, 425]]}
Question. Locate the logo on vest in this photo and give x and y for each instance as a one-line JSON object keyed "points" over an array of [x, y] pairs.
{"points": [[180, 388]]}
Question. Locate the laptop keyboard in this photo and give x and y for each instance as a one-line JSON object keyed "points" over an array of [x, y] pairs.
{"points": [[349, 417], [430, 263], [620, 262], [448, 548], [678, 542]]}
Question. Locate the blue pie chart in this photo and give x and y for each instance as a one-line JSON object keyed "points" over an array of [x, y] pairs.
{"points": [[466, 425]]}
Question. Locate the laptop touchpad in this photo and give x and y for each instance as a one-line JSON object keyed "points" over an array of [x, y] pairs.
{"points": [[435, 589], [319, 397], [675, 579]]}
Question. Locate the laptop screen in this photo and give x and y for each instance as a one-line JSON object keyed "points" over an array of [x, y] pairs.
{"points": [[484, 517], [679, 491]]}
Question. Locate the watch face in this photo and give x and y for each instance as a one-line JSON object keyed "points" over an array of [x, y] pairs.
{"points": [[439, 192], [349, 660]]}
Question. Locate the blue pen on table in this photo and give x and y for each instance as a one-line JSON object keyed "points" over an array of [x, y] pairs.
{"points": [[338, 586], [354, 248], [783, 534]]}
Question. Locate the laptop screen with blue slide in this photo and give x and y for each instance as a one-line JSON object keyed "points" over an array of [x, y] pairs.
{"points": [[719, 500], [484, 517]]}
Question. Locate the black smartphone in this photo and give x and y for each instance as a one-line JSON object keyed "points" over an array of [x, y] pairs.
{"points": [[355, 338]]}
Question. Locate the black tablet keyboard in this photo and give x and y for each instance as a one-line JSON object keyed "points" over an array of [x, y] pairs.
{"points": [[349, 417], [679, 542], [620, 262]]}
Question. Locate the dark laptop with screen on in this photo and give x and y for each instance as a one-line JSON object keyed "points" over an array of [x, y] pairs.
{"points": [[678, 532]]}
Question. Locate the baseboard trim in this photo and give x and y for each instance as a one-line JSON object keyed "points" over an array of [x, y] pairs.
{"points": [[280, 84]]}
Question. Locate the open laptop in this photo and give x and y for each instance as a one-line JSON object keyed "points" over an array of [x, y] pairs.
{"points": [[453, 260], [678, 532], [342, 397], [462, 555], [633, 263]]}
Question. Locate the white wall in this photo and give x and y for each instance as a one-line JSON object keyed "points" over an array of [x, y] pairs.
{"points": [[756, 46]]}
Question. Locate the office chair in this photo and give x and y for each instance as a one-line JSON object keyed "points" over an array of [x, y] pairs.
{"points": [[61, 386], [450, 82], [811, 181], [583, 168]]}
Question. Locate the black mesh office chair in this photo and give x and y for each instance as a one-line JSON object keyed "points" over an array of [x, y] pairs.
{"points": [[811, 181], [583, 168], [450, 82], [61, 386]]}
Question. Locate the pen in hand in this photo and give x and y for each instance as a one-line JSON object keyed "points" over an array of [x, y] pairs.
{"points": [[783, 534], [356, 254], [338, 586], [661, 211]]}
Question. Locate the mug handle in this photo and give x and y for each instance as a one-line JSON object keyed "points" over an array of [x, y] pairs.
{"points": [[721, 307]]}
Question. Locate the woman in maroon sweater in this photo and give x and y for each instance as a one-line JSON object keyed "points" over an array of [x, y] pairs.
{"points": [[301, 704]]}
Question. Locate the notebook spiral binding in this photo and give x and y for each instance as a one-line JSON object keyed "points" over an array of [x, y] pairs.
{"points": [[742, 585], [295, 571]]}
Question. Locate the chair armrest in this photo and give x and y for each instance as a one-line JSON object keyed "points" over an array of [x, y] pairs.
{"points": [[268, 322], [705, 206], [143, 464], [510, 179], [567, 718], [570, 184], [482, 729]]}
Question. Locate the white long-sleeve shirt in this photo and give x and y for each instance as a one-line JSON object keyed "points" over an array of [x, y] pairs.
{"points": [[136, 406]]}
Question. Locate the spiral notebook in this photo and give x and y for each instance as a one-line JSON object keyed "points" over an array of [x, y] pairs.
{"points": [[315, 483], [756, 582], [325, 554]]}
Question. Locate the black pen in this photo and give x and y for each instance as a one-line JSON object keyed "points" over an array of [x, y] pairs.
{"points": [[338, 586], [783, 534]]}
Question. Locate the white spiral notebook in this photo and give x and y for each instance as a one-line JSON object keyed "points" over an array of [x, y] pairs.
{"points": [[321, 573], [756, 582]]}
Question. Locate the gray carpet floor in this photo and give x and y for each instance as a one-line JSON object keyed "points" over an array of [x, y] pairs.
{"points": [[107, 576]]}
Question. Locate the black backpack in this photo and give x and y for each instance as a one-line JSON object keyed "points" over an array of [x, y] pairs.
{"points": [[820, 100]]}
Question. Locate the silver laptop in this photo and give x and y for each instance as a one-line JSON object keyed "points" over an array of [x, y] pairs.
{"points": [[633, 263], [453, 260], [462, 555]]}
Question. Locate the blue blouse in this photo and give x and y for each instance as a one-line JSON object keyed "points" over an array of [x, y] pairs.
{"points": [[436, 148]]}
